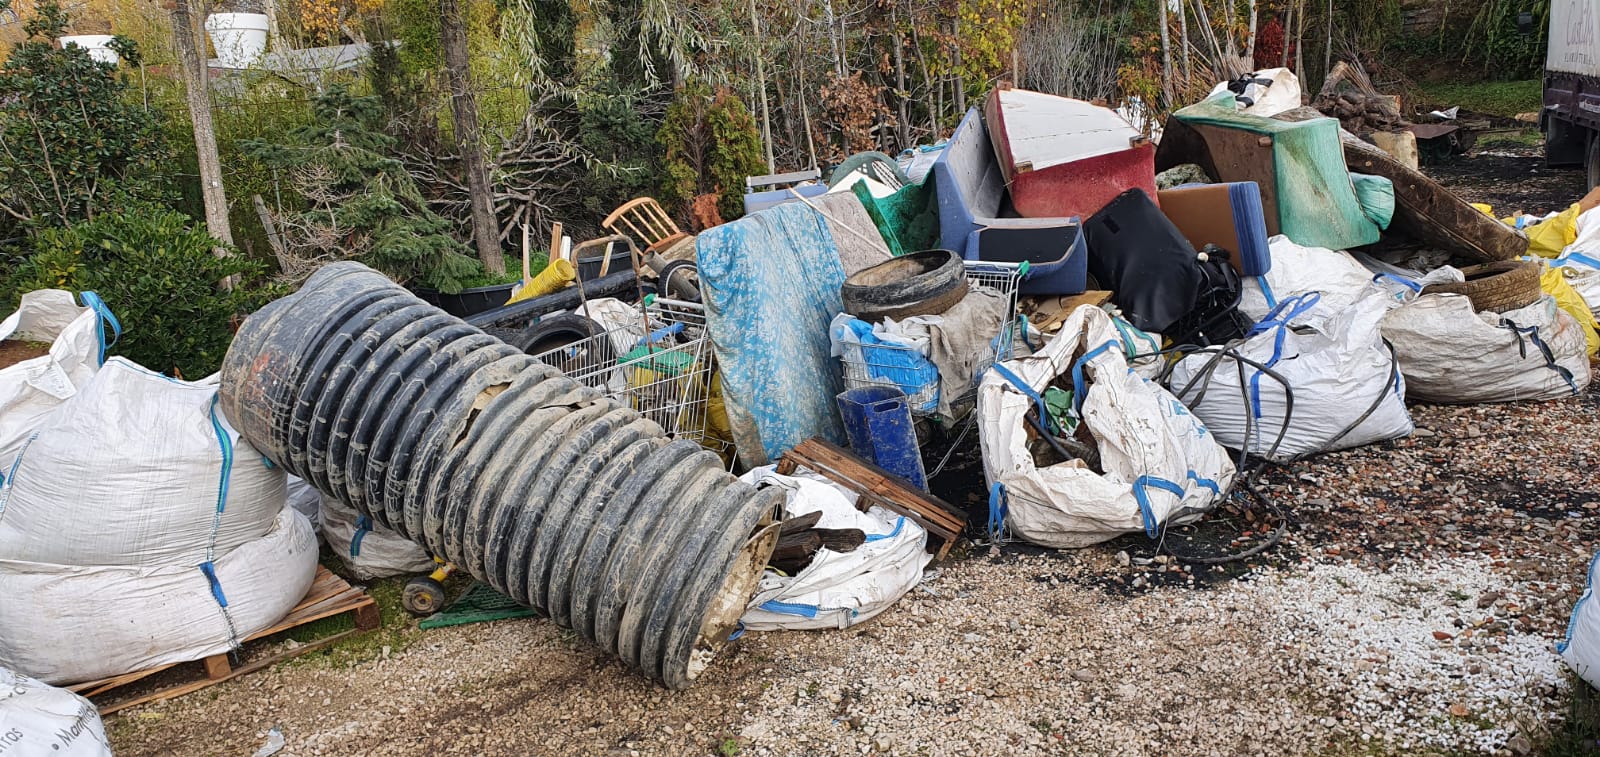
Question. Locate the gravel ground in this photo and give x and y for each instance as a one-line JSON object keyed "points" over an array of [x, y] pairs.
{"points": [[1411, 608]]}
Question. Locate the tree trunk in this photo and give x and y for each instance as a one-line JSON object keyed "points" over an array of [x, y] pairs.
{"points": [[1327, 49], [1183, 31], [761, 83], [205, 134], [901, 96], [274, 32], [1250, 44], [464, 104], [961, 82], [1166, 54]]}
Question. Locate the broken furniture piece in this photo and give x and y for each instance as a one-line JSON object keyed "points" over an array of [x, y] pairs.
{"points": [[1306, 193], [1063, 157], [970, 190], [807, 183]]}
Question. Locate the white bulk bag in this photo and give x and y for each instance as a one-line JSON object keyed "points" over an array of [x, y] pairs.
{"points": [[1281, 92], [1161, 465], [370, 549], [33, 387], [1296, 270], [39, 719], [305, 499], [1581, 647], [65, 624], [1344, 382], [136, 469], [838, 589], [1582, 271], [1451, 354]]}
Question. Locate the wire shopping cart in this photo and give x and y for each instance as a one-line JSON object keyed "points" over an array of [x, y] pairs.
{"points": [[873, 360], [661, 365]]}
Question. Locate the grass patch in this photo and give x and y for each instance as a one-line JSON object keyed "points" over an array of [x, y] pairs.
{"points": [[397, 629], [1495, 98], [1579, 734], [1523, 138]]}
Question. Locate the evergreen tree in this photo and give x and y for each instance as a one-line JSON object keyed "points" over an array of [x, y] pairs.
{"points": [[361, 202]]}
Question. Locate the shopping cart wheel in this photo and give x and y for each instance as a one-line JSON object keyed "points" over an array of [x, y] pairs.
{"points": [[422, 596]]}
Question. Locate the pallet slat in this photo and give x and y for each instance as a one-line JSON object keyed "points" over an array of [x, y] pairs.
{"points": [[328, 596], [878, 487]]}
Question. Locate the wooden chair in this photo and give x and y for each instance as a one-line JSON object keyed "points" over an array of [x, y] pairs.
{"points": [[644, 219]]}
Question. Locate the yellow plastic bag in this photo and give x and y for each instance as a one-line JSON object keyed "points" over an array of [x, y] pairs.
{"points": [[1554, 283], [554, 278], [1549, 237]]}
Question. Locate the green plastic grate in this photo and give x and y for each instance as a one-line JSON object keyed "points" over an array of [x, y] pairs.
{"points": [[478, 604]]}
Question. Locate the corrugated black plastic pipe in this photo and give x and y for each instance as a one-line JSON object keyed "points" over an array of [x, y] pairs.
{"points": [[566, 501]]}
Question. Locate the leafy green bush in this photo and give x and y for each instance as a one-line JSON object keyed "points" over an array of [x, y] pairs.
{"points": [[74, 147], [156, 270]]}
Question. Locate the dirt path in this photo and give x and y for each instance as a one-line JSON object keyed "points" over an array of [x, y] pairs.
{"points": [[1412, 608]]}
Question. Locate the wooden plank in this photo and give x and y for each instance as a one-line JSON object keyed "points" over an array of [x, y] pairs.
{"points": [[217, 667], [877, 486], [1065, 305], [179, 690]]}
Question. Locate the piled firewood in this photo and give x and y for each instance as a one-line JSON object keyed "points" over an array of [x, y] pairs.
{"points": [[1349, 96], [799, 539]]}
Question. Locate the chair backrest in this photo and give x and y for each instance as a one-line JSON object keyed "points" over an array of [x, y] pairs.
{"points": [[644, 219], [969, 157]]}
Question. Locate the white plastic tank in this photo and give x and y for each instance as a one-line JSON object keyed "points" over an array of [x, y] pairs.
{"points": [[239, 38], [96, 44]]}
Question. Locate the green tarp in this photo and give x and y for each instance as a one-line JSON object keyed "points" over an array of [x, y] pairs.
{"points": [[907, 219]]}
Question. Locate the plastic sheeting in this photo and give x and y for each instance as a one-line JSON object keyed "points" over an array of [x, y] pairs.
{"points": [[1161, 466], [1553, 281], [370, 549], [1581, 647], [1451, 354], [838, 589], [31, 388], [1376, 195], [1345, 384], [771, 284]]}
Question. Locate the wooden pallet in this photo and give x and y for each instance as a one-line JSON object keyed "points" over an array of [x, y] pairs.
{"points": [[329, 596], [879, 487]]}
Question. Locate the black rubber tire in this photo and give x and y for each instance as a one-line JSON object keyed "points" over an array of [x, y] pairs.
{"points": [[687, 273], [922, 283], [544, 340], [423, 596], [1496, 287]]}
